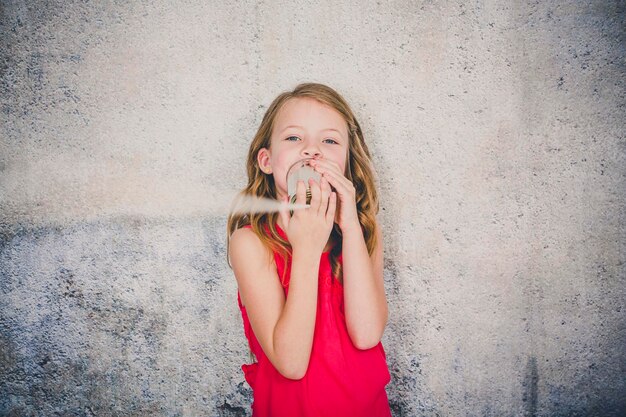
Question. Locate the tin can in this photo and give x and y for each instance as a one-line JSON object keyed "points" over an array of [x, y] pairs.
{"points": [[301, 170]]}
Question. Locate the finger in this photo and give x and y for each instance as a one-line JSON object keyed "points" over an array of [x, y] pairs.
{"points": [[325, 189], [284, 212], [332, 207], [327, 165], [315, 194], [301, 188], [332, 170], [300, 192], [340, 184]]}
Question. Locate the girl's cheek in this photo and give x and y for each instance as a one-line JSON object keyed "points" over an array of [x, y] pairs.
{"points": [[280, 179]]}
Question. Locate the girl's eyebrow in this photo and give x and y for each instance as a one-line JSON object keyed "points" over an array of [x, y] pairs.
{"points": [[300, 127]]}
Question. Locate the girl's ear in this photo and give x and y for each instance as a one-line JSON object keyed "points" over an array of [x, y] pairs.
{"points": [[263, 159]]}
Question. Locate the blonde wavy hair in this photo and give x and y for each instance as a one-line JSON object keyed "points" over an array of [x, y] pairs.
{"points": [[359, 170]]}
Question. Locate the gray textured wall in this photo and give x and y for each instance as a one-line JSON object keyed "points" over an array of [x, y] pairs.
{"points": [[497, 130]]}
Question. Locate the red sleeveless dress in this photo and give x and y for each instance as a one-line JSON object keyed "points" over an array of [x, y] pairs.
{"points": [[341, 380]]}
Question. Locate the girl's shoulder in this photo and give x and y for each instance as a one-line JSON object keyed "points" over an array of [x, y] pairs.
{"points": [[247, 229], [245, 240]]}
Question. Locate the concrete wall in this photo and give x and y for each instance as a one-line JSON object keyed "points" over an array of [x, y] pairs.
{"points": [[497, 130]]}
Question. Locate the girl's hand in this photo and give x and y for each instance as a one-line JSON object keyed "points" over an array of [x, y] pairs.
{"points": [[347, 216], [309, 228]]}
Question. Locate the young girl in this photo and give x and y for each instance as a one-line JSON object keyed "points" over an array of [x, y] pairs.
{"points": [[310, 285]]}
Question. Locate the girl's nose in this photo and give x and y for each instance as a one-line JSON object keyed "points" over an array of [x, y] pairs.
{"points": [[312, 152], [315, 155]]}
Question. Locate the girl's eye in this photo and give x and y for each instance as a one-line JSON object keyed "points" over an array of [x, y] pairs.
{"points": [[289, 139]]}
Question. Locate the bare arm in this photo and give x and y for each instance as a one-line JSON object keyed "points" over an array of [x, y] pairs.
{"points": [[293, 333], [364, 291], [284, 326]]}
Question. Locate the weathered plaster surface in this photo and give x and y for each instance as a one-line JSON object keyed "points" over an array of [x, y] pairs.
{"points": [[497, 131]]}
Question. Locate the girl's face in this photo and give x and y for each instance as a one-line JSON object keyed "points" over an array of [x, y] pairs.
{"points": [[304, 128]]}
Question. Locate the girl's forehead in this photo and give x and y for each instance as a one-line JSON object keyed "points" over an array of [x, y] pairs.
{"points": [[305, 113]]}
